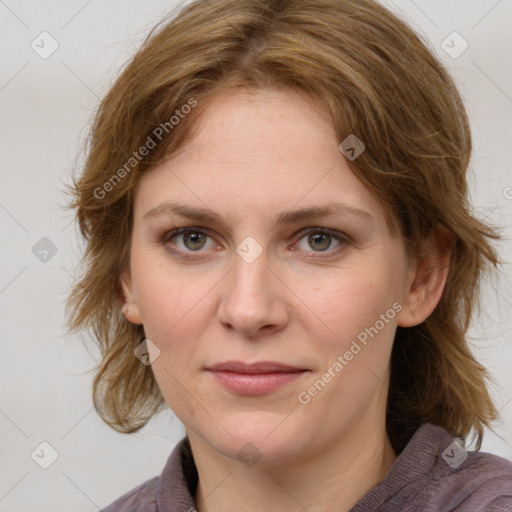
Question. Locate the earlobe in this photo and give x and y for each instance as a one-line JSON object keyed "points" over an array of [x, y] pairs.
{"points": [[130, 309], [428, 279]]}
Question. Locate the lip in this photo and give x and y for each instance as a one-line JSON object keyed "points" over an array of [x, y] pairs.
{"points": [[256, 378]]}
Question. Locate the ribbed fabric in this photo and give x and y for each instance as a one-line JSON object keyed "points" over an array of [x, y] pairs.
{"points": [[420, 480]]}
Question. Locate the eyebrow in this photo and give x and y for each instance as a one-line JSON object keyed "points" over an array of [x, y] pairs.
{"points": [[285, 217]]}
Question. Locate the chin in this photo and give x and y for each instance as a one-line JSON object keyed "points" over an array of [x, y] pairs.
{"points": [[258, 437]]}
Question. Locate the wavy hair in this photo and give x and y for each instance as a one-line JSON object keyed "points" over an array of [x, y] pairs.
{"points": [[380, 81]]}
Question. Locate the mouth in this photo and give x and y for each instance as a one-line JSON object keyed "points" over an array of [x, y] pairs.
{"points": [[257, 378]]}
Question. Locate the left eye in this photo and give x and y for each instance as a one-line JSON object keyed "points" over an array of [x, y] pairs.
{"points": [[320, 241]]}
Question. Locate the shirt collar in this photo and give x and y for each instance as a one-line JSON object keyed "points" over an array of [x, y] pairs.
{"points": [[178, 482]]}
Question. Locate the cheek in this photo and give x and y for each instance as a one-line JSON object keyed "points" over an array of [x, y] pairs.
{"points": [[349, 303], [172, 303], [354, 339], [176, 311]]}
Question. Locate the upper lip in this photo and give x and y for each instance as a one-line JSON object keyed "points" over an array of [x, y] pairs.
{"points": [[256, 367]]}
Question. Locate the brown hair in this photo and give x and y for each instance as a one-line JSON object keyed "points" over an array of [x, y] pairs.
{"points": [[380, 82]]}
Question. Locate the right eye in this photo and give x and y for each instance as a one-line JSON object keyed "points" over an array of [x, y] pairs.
{"points": [[188, 239]]}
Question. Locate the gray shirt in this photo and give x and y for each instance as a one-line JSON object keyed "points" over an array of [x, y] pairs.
{"points": [[431, 474]]}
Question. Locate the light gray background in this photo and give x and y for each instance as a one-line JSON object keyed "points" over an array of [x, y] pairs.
{"points": [[45, 390]]}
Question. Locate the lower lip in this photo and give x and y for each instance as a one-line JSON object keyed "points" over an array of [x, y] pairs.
{"points": [[255, 383]]}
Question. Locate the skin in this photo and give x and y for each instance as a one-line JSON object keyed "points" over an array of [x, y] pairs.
{"points": [[254, 155]]}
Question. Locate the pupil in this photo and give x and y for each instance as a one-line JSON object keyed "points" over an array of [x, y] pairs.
{"points": [[196, 240], [321, 240]]}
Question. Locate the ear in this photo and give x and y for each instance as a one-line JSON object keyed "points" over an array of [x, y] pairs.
{"points": [[428, 274], [130, 309]]}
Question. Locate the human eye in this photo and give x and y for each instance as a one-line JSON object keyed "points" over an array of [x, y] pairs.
{"points": [[322, 240], [188, 240]]}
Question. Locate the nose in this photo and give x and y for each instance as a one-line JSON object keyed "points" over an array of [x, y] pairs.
{"points": [[253, 300]]}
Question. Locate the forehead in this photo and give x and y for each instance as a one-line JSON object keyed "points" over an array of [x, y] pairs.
{"points": [[258, 127], [258, 152]]}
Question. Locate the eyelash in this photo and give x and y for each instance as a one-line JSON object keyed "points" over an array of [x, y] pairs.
{"points": [[343, 240]]}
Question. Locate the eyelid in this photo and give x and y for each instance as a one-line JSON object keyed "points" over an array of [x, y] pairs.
{"points": [[326, 231], [170, 234]]}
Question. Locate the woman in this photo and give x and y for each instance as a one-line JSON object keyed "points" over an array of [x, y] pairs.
{"points": [[280, 247]]}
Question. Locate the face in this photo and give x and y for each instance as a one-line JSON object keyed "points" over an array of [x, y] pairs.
{"points": [[266, 275]]}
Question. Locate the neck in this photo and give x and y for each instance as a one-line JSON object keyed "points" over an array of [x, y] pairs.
{"points": [[332, 479]]}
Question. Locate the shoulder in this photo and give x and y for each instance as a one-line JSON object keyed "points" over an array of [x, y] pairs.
{"points": [[170, 489], [434, 473], [483, 481], [140, 499], [463, 480]]}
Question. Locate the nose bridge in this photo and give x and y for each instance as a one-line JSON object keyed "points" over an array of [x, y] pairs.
{"points": [[249, 285], [250, 300], [251, 277]]}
